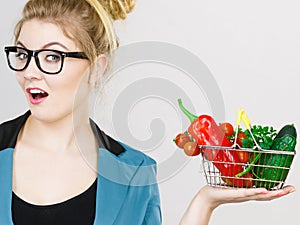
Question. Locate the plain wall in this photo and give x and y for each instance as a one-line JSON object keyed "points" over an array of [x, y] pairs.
{"points": [[252, 50]]}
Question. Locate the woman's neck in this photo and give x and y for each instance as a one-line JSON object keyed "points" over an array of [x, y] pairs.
{"points": [[56, 136]]}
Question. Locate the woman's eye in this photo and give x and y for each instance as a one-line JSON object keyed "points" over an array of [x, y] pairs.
{"points": [[53, 58], [21, 55]]}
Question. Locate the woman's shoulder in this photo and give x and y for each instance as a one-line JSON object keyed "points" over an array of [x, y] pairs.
{"points": [[119, 149], [130, 167], [126, 153], [136, 153]]}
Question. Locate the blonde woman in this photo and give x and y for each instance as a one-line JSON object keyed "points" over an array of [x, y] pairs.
{"points": [[60, 54]]}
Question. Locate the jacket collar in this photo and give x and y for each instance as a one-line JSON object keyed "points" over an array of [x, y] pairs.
{"points": [[9, 131]]}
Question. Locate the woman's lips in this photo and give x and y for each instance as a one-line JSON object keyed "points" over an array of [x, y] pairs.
{"points": [[36, 95]]}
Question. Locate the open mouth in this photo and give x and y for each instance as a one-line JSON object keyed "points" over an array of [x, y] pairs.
{"points": [[38, 94]]}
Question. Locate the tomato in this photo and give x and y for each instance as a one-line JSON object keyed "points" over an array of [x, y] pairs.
{"points": [[243, 156], [240, 137], [248, 180], [227, 128], [191, 148], [181, 139], [228, 181]]}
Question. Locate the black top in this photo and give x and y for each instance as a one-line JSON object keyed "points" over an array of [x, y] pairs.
{"points": [[79, 210]]}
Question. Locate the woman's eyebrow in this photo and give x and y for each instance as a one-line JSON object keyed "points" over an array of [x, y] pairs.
{"points": [[55, 43], [45, 46], [20, 43]]}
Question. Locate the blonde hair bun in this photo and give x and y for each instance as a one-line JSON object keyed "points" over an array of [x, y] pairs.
{"points": [[118, 9]]}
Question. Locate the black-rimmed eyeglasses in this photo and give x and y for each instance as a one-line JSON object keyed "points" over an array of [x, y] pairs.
{"points": [[48, 61]]}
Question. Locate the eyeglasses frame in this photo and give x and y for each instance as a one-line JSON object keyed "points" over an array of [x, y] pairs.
{"points": [[34, 53]]}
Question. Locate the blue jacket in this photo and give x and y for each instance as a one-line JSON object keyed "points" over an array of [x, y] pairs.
{"points": [[127, 192]]}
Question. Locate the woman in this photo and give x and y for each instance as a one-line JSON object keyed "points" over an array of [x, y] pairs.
{"points": [[56, 165]]}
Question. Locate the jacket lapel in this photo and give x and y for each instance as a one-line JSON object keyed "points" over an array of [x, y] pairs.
{"points": [[114, 178]]}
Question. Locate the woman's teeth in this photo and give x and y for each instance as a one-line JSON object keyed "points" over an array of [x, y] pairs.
{"points": [[38, 93], [34, 91]]}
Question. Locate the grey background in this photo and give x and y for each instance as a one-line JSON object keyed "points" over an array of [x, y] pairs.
{"points": [[252, 48]]}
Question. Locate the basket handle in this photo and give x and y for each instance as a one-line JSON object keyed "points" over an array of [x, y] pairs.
{"points": [[242, 116]]}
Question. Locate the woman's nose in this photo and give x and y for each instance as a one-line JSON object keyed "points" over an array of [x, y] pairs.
{"points": [[32, 71]]}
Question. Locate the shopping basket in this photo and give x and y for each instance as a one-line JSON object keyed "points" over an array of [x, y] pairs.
{"points": [[266, 168]]}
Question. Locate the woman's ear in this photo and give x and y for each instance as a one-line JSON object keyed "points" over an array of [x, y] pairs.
{"points": [[98, 70], [102, 63]]}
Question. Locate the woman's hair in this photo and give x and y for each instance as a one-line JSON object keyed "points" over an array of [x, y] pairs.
{"points": [[89, 23]]}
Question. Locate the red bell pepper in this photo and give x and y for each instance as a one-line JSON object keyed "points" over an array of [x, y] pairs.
{"points": [[206, 132]]}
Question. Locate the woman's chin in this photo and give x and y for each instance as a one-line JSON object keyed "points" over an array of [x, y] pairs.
{"points": [[51, 115]]}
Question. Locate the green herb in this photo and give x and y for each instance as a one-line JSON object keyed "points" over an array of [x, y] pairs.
{"points": [[264, 136]]}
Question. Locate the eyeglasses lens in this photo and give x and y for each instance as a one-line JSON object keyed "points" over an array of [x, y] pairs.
{"points": [[49, 61]]}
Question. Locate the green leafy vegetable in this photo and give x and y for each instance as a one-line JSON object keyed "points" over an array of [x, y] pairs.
{"points": [[264, 136]]}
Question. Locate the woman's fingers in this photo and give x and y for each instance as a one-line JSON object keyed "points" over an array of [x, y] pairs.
{"points": [[270, 195], [218, 196]]}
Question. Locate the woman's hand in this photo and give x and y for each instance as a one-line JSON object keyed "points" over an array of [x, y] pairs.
{"points": [[217, 196], [208, 198]]}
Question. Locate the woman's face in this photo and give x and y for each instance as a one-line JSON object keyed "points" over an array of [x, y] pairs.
{"points": [[52, 97]]}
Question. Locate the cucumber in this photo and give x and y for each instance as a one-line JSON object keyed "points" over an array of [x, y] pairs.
{"points": [[272, 168], [286, 130]]}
